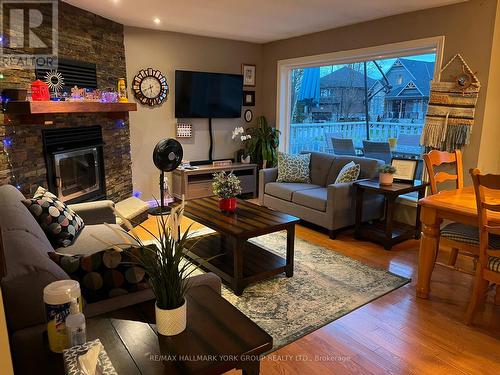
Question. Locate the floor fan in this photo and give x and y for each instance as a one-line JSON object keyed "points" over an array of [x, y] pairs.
{"points": [[167, 156]]}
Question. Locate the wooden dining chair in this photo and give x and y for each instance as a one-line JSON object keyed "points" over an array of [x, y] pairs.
{"points": [[461, 238], [488, 267]]}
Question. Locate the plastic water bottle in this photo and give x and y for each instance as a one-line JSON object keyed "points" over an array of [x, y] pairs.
{"points": [[75, 325]]}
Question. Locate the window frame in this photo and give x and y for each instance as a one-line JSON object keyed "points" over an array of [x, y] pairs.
{"points": [[386, 51]]}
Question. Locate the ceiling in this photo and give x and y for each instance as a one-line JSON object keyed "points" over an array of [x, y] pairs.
{"points": [[258, 21]]}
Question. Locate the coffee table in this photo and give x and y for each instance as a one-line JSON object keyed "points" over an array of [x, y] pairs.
{"points": [[236, 260], [218, 338]]}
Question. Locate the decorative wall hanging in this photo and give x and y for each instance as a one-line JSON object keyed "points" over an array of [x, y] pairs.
{"points": [[184, 130], [55, 81], [150, 87], [450, 115]]}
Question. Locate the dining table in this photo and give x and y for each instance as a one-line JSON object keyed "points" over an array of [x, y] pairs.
{"points": [[457, 205]]}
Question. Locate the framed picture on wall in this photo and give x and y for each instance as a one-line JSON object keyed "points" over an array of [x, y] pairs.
{"points": [[248, 115], [248, 71], [248, 98]]}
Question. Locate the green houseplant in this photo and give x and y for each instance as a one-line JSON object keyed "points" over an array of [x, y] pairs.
{"points": [[226, 187], [166, 266], [263, 144], [386, 174]]}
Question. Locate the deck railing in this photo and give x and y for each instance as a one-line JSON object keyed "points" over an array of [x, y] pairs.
{"points": [[315, 136]]}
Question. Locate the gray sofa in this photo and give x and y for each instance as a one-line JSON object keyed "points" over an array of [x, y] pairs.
{"points": [[322, 202], [28, 268]]}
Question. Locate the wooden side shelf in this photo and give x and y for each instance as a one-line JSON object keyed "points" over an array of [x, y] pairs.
{"points": [[48, 107]]}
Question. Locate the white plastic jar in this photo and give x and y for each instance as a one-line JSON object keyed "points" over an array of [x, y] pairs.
{"points": [[57, 297]]}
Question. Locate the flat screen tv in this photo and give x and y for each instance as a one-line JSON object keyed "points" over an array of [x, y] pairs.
{"points": [[208, 95]]}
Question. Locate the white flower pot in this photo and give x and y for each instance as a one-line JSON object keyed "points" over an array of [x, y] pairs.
{"points": [[245, 160], [171, 322], [386, 178]]}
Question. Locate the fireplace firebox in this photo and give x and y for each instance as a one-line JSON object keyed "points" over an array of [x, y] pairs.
{"points": [[75, 163]]}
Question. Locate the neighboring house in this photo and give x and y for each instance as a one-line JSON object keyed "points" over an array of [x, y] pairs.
{"points": [[408, 96], [342, 95]]}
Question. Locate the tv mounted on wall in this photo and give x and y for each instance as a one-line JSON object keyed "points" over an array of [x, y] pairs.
{"points": [[208, 95]]}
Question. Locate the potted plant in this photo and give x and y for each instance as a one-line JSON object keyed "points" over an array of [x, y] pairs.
{"points": [[168, 270], [386, 174], [226, 187], [263, 144], [239, 132]]}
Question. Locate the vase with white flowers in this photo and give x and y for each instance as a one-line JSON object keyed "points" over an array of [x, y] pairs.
{"points": [[240, 133]]}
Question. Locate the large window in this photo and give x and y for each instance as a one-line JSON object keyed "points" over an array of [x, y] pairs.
{"points": [[358, 97], [378, 100]]}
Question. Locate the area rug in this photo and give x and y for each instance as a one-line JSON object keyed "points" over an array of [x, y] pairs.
{"points": [[326, 285]]}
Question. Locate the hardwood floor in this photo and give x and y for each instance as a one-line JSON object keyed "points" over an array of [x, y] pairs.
{"points": [[397, 333]]}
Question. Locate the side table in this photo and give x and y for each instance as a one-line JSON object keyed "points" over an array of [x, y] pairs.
{"points": [[387, 232], [218, 338]]}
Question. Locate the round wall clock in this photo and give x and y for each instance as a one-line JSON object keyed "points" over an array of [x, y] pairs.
{"points": [[248, 115], [150, 87]]}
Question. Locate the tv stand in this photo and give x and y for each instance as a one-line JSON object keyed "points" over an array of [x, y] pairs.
{"points": [[197, 183]]}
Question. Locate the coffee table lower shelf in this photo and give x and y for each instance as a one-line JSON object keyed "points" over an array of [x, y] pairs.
{"points": [[257, 263]]}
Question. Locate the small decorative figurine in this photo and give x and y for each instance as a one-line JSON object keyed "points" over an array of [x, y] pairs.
{"points": [[77, 94], [40, 91], [122, 91]]}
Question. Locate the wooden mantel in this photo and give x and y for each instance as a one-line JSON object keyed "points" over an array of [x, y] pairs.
{"points": [[35, 112], [38, 108]]}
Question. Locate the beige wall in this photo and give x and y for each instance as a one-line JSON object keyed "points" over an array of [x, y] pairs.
{"points": [[169, 51], [5, 360], [489, 152], [468, 28]]}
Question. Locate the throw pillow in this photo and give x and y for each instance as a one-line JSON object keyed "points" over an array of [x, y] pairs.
{"points": [[348, 173], [293, 168], [59, 222], [103, 275]]}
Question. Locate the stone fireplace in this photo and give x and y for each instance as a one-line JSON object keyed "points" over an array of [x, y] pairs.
{"points": [[88, 38], [35, 151], [75, 163]]}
